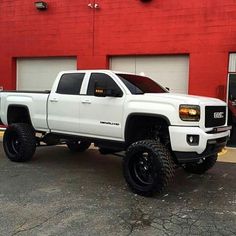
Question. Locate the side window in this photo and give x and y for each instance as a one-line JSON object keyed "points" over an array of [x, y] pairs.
{"points": [[70, 83], [101, 80]]}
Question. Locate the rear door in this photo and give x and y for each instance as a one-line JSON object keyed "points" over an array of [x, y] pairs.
{"points": [[64, 104]]}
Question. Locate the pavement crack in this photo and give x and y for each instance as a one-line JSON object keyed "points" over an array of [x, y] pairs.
{"points": [[137, 219], [21, 228]]}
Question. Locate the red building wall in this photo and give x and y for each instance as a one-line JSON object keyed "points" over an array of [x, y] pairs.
{"points": [[206, 30]]}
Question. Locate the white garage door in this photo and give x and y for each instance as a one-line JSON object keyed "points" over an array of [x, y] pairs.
{"points": [[40, 73], [170, 71]]}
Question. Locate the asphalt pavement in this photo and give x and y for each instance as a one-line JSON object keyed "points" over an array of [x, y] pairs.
{"points": [[62, 193]]}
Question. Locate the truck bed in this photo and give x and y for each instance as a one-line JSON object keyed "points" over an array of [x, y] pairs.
{"points": [[34, 102], [25, 91]]}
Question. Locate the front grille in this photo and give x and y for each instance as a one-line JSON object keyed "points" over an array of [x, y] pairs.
{"points": [[215, 116]]}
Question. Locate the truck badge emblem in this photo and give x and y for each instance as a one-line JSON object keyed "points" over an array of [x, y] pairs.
{"points": [[219, 115]]}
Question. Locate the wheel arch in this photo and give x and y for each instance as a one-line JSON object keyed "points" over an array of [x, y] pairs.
{"points": [[18, 114], [134, 117]]}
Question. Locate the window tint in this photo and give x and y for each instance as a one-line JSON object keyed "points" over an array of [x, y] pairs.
{"points": [[101, 80], [140, 84], [70, 83]]}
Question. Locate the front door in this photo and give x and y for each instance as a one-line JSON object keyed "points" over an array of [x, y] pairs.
{"points": [[101, 117]]}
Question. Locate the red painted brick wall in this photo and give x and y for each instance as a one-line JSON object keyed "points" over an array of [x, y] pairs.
{"points": [[206, 30]]}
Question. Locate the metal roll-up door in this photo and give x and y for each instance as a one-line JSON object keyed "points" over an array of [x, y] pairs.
{"points": [[40, 73], [170, 71]]}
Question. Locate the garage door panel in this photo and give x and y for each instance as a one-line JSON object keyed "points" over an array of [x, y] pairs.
{"points": [[40, 73], [126, 64], [170, 71]]}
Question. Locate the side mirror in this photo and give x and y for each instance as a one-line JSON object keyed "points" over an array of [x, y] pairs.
{"points": [[102, 92], [114, 93]]}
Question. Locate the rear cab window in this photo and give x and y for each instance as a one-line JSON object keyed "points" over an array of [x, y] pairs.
{"points": [[70, 83]]}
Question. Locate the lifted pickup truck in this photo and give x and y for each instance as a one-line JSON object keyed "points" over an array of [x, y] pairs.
{"points": [[118, 111]]}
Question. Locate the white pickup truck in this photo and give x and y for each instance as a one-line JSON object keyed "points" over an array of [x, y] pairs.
{"points": [[118, 112]]}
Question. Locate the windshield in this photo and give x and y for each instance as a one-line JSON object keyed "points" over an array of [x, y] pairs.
{"points": [[139, 84]]}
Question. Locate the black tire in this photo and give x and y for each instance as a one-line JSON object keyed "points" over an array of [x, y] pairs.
{"points": [[148, 167], [78, 146], [19, 142], [202, 167]]}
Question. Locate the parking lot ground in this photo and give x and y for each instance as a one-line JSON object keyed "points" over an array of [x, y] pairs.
{"points": [[62, 193]]}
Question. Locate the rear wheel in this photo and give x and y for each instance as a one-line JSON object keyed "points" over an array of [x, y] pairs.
{"points": [[19, 142], [78, 146], [148, 167], [201, 167]]}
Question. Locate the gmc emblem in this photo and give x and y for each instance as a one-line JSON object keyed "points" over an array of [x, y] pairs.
{"points": [[219, 115]]}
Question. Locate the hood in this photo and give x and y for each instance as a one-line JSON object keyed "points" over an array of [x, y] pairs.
{"points": [[186, 99]]}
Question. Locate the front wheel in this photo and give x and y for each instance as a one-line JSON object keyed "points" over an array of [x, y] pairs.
{"points": [[78, 146], [148, 167], [201, 167], [19, 142]]}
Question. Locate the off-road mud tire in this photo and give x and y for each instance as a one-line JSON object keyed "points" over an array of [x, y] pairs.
{"points": [[19, 142], [156, 172]]}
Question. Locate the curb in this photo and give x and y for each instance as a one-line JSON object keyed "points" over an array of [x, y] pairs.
{"points": [[223, 152]]}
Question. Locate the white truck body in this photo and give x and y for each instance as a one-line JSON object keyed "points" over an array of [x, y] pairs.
{"points": [[92, 116], [118, 111]]}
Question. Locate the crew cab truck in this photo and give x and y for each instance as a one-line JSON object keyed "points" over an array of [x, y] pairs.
{"points": [[118, 112]]}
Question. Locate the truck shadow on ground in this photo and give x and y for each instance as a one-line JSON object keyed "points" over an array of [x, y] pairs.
{"points": [[91, 164]]}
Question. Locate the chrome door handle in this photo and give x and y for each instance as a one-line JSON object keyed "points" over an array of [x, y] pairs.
{"points": [[86, 101]]}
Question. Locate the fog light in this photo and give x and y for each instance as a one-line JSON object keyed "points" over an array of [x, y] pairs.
{"points": [[192, 140]]}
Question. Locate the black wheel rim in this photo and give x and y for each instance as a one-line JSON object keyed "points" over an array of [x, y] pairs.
{"points": [[141, 169], [13, 143]]}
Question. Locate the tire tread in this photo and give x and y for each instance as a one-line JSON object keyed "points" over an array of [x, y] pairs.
{"points": [[162, 158], [28, 140]]}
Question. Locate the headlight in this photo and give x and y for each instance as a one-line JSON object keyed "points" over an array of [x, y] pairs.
{"points": [[189, 112]]}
